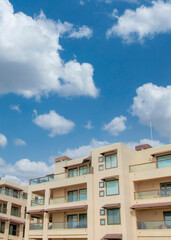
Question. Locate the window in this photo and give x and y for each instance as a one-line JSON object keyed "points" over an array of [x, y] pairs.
{"points": [[83, 170], [102, 221], [113, 216], [102, 212], [83, 220], [100, 159], [72, 221], [101, 184], [15, 211], [112, 188], [101, 193], [3, 208], [165, 189], [72, 196], [72, 172], [83, 194], [2, 227], [101, 167], [167, 219], [111, 161], [164, 161], [13, 230]]}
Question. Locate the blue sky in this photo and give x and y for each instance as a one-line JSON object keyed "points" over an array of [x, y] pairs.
{"points": [[75, 75]]}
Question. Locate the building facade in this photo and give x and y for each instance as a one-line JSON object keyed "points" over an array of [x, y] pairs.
{"points": [[13, 203], [114, 193]]}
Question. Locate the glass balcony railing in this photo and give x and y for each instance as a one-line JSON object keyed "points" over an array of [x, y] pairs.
{"points": [[37, 202], [68, 225], [3, 210], [154, 225], [36, 226], [57, 177], [72, 198], [13, 232], [11, 193], [15, 213], [153, 194], [150, 166]]}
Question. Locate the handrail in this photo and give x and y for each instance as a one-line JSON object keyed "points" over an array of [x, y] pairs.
{"points": [[156, 163], [154, 193], [35, 202], [58, 176], [12, 194], [36, 226], [158, 224], [68, 225], [76, 198]]}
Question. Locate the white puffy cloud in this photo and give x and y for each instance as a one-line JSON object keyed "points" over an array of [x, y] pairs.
{"points": [[30, 62], [15, 108], [19, 142], [144, 22], [56, 124], [153, 104], [83, 31], [2, 162], [83, 150], [116, 126], [153, 143], [24, 169], [89, 125], [3, 140]]}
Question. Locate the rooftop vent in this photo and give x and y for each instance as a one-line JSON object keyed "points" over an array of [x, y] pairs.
{"points": [[142, 147]]}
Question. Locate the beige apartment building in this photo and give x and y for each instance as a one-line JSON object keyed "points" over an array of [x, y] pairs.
{"points": [[114, 193], [13, 203]]}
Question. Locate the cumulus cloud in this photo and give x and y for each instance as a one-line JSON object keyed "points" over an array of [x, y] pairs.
{"points": [[116, 126], [83, 31], [52, 121], [3, 140], [30, 61], [15, 108], [153, 143], [19, 142], [2, 162], [153, 104], [144, 22], [83, 150], [24, 169], [89, 125]]}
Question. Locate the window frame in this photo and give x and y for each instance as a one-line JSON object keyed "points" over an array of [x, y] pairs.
{"points": [[103, 193], [111, 164], [118, 187], [113, 217]]}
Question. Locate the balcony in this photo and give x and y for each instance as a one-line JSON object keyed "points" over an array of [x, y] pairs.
{"points": [[153, 194], [57, 177], [68, 225], [150, 166], [36, 226], [154, 225], [12, 193], [73, 198], [37, 202]]}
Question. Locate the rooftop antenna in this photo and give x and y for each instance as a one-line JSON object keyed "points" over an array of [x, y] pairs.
{"points": [[151, 133]]}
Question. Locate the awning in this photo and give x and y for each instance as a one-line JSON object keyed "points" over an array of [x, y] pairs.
{"points": [[4, 218], [112, 205], [36, 211], [87, 159], [62, 158], [109, 152], [110, 177], [112, 236], [16, 221], [151, 205], [161, 153], [66, 208]]}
